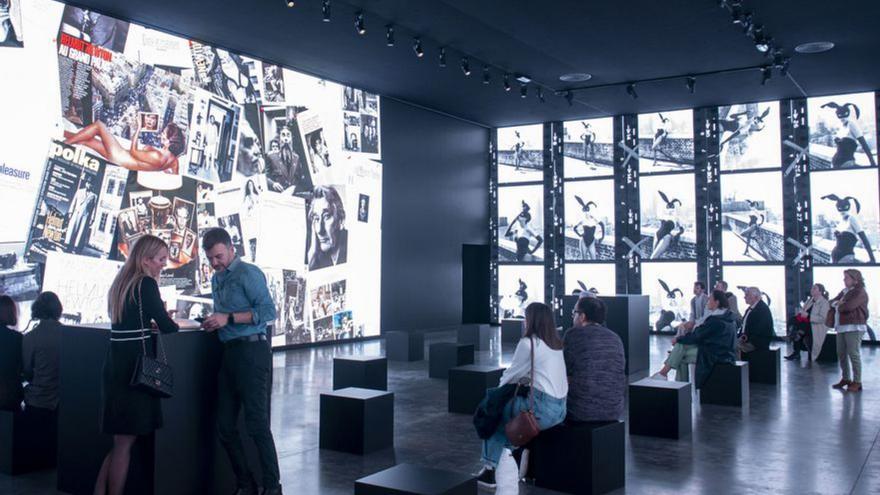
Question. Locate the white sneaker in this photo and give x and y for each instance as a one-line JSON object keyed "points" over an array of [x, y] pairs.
{"points": [[659, 376], [524, 464]]}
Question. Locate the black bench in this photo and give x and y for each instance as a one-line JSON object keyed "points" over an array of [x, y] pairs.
{"points": [[416, 480], [468, 384], [357, 420], [659, 408], [27, 442], [581, 458], [727, 385], [511, 331], [480, 335], [828, 354], [764, 366], [360, 371], [445, 355], [405, 346]]}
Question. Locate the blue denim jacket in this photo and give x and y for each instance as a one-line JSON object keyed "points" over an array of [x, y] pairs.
{"points": [[242, 287]]}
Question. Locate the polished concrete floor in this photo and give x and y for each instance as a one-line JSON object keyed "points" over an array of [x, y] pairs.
{"points": [[799, 438]]}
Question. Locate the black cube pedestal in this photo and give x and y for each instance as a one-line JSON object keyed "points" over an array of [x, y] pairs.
{"points": [[357, 420], [586, 458], [445, 355], [407, 479], [764, 366], [468, 384], [727, 385], [404, 346], [511, 331], [480, 335], [27, 442], [360, 371], [659, 408], [828, 354]]}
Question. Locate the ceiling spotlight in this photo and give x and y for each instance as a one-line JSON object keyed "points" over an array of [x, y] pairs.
{"points": [[290, 3], [814, 47], [766, 74], [389, 35], [465, 66], [486, 75], [631, 91], [523, 91], [442, 56], [359, 24], [417, 47], [569, 98], [691, 84], [506, 82], [540, 94], [325, 10]]}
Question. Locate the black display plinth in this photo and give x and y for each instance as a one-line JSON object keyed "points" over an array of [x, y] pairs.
{"points": [[468, 384], [27, 443], [727, 385], [357, 420], [659, 408], [404, 346], [480, 335], [445, 355], [511, 331], [182, 457], [585, 458], [828, 354], [360, 371], [408, 479], [764, 366]]}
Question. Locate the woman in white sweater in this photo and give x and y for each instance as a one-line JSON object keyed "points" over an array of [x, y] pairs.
{"points": [[550, 387], [817, 309]]}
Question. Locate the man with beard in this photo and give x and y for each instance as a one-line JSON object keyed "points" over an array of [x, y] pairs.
{"points": [[284, 167], [329, 242]]}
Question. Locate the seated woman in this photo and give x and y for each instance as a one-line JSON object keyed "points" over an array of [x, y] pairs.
{"points": [[712, 341], [40, 352], [10, 356], [549, 389], [97, 137]]}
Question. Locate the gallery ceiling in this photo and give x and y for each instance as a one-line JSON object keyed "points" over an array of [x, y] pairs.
{"points": [[615, 41]]}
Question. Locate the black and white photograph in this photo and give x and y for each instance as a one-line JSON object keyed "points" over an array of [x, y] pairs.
{"points": [[770, 280], [521, 223], [225, 74], [749, 136], [668, 217], [295, 329], [519, 286], [317, 153], [521, 154], [213, 138], [327, 235], [343, 325], [369, 134], [11, 34], [846, 223], [232, 225], [597, 278], [589, 220], [194, 308], [287, 169], [363, 208], [669, 287], [19, 279], [92, 27], [251, 153], [588, 148], [751, 217], [360, 122], [666, 141], [843, 131], [832, 279], [273, 83]]}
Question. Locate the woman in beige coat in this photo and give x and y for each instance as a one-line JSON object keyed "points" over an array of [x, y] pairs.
{"points": [[817, 309]]}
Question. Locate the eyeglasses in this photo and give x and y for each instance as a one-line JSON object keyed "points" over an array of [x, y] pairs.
{"points": [[576, 312]]}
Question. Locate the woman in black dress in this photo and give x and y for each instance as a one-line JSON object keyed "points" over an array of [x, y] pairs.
{"points": [[134, 303]]}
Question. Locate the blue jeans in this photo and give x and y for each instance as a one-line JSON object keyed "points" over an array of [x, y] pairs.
{"points": [[549, 411]]}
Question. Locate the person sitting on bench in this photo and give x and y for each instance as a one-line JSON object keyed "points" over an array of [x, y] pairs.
{"points": [[757, 326], [10, 356], [41, 349]]}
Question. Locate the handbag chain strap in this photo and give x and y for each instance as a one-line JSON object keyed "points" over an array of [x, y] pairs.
{"points": [[532, 376], [143, 327]]}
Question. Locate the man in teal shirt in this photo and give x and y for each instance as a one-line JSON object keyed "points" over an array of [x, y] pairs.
{"points": [[243, 307]]}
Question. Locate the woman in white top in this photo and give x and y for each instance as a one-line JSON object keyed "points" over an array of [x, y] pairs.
{"points": [[817, 309], [550, 387]]}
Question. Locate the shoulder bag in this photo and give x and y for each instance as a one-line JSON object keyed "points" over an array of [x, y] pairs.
{"points": [[524, 427], [152, 375]]}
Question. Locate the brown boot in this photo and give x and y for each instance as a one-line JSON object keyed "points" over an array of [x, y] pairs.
{"points": [[854, 387], [842, 383]]}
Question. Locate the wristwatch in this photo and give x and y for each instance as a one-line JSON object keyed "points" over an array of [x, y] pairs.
{"points": [[230, 319]]}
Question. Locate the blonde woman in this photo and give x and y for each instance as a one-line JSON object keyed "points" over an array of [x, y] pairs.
{"points": [[817, 310], [849, 316], [134, 298]]}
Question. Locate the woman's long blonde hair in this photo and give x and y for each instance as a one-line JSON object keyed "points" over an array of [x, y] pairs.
{"points": [[132, 272]]}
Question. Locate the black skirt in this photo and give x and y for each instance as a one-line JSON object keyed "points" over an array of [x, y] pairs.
{"points": [[127, 411]]}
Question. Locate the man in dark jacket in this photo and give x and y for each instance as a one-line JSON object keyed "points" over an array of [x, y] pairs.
{"points": [[714, 338], [757, 323]]}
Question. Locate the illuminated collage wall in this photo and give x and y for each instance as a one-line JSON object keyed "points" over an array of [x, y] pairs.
{"points": [[776, 194], [111, 131]]}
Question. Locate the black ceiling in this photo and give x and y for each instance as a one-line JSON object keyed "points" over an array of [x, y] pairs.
{"points": [[615, 40]]}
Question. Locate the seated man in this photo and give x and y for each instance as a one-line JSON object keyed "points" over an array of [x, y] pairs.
{"points": [[712, 340], [757, 324], [594, 363]]}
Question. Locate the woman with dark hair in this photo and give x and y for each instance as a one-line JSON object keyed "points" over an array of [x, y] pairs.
{"points": [[749, 232], [521, 232], [587, 234], [811, 319], [660, 136], [250, 196], [10, 356], [539, 354], [849, 136], [849, 317], [97, 137], [670, 229], [848, 231], [41, 349]]}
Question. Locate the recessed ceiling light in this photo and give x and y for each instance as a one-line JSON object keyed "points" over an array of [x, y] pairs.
{"points": [[576, 77], [814, 47]]}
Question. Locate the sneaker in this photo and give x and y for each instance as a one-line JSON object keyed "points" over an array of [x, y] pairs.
{"points": [[792, 356], [659, 376], [524, 464], [486, 478]]}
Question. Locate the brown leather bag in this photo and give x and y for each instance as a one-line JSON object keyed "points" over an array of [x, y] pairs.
{"points": [[524, 427]]}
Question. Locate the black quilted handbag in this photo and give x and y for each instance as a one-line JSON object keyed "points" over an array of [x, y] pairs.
{"points": [[152, 375]]}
